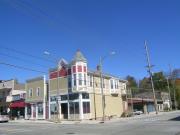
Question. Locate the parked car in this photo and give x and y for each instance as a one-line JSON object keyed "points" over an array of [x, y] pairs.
{"points": [[137, 112], [4, 118]]}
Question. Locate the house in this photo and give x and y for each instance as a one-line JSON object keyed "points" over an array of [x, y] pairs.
{"points": [[36, 98], [75, 92], [11, 98]]}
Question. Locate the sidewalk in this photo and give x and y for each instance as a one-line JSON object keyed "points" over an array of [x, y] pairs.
{"points": [[136, 117]]}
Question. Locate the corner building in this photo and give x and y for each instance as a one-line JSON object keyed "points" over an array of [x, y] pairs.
{"points": [[75, 92]]}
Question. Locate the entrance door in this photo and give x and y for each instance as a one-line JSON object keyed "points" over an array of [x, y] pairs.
{"points": [[64, 110], [34, 111]]}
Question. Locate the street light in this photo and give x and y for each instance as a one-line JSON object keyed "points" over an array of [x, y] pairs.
{"points": [[101, 76], [58, 98]]}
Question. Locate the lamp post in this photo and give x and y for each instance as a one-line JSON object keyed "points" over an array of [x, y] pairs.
{"points": [[58, 98], [101, 79]]}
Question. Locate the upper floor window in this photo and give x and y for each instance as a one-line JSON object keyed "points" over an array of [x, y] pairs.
{"points": [[74, 79], [79, 68], [91, 80], [30, 93], [38, 92], [80, 79], [85, 95], [69, 82], [84, 79], [115, 84], [103, 81], [112, 84]]}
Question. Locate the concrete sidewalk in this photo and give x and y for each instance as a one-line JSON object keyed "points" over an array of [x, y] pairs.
{"points": [[136, 117]]}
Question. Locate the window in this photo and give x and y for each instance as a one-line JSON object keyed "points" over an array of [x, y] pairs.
{"points": [[80, 79], [64, 97], [115, 85], [38, 92], [73, 96], [74, 79], [91, 81], [30, 93], [53, 98], [40, 109], [85, 69], [84, 79], [69, 82], [53, 108], [79, 68], [28, 110], [86, 107], [112, 87], [103, 82], [85, 95], [74, 107], [74, 69]]}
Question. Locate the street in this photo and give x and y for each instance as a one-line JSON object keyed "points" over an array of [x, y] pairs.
{"points": [[164, 124]]}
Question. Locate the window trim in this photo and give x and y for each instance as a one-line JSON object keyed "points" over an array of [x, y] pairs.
{"points": [[30, 92], [38, 91]]}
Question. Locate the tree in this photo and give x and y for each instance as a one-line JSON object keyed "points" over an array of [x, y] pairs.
{"points": [[160, 82], [131, 81], [145, 83]]}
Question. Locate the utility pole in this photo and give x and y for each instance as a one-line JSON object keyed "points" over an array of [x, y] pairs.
{"points": [[170, 102], [102, 91], [132, 106], [150, 73], [174, 91]]}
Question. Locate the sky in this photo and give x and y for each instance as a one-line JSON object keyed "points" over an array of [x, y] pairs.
{"points": [[96, 27]]}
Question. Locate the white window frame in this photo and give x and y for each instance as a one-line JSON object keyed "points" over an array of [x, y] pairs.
{"points": [[38, 91], [30, 92]]}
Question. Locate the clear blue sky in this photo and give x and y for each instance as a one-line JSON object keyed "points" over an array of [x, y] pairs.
{"points": [[96, 27]]}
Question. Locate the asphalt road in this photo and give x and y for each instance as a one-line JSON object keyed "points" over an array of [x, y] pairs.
{"points": [[166, 124]]}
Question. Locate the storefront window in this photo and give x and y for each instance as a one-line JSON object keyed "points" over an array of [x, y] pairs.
{"points": [[74, 107], [40, 109], [53, 98], [29, 110], [86, 107], [53, 108]]}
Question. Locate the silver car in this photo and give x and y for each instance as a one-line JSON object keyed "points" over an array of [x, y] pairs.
{"points": [[4, 118]]}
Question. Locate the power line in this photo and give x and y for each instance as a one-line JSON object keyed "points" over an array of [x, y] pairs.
{"points": [[26, 54], [18, 58], [21, 67]]}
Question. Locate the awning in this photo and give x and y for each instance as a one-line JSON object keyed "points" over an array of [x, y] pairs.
{"points": [[19, 104]]}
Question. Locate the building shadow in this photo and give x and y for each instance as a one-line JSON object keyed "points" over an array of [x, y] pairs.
{"points": [[175, 119]]}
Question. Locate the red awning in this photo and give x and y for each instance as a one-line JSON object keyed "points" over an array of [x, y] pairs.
{"points": [[19, 104]]}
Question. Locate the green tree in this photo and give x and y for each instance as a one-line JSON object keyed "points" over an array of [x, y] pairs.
{"points": [[160, 82], [145, 83], [131, 81]]}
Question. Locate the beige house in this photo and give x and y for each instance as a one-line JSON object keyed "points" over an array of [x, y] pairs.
{"points": [[36, 98], [75, 92], [8, 89]]}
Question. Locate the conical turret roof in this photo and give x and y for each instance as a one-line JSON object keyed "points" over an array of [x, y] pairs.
{"points": [[79, 57]]}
